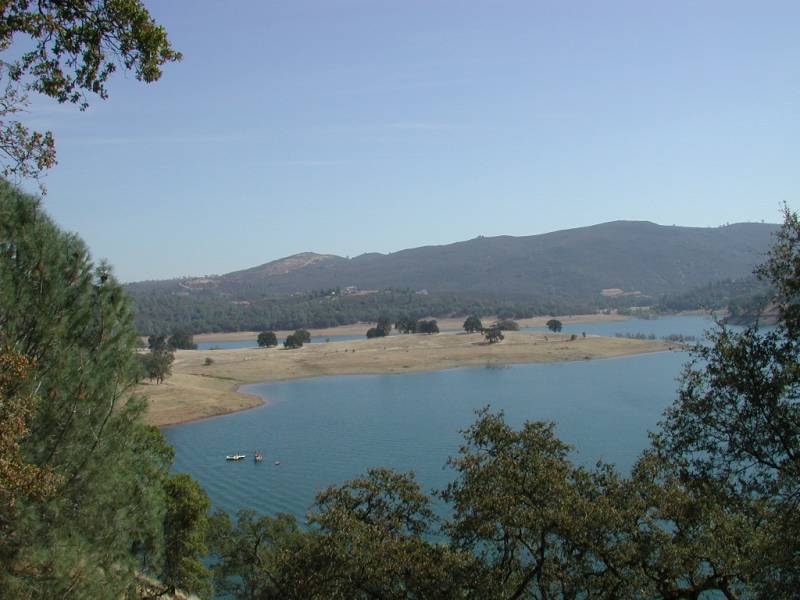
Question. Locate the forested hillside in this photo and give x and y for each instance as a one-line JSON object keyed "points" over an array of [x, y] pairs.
{"points": [[614, 264]]}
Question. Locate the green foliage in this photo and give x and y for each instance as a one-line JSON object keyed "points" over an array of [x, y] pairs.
{"points": [[267, 339], [382, 329], [365, 541], [473, 324], [70, 48], [101, 521], [181, 340], [264, 557], [74, 321], [493, 334], [426, 326], [525, 522], [159, 310], [384, 325], [736, 423], [406, 325], [156, 365], [157, 343], [554, 325], [743, 298], [185, 527], [292, 341], [303, 336]]}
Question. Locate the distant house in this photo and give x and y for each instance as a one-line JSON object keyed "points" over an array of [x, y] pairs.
{"points": [[616, 292]]}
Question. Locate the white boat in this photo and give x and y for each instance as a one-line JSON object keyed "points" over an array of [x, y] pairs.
{"points": [[258, 457], [277, 462], [235, 457]]}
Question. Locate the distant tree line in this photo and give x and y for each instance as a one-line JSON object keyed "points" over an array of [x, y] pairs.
{"points": [[157, 312], [741, 297]]}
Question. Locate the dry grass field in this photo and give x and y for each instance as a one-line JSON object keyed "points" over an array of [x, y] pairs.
{"points": [[196, 390]]}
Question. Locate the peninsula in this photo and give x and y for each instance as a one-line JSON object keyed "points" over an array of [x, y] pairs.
{"points": [[198, 390]]}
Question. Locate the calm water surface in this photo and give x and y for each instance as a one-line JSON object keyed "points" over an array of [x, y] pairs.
{"points": [[330, 429], [660, 327]]}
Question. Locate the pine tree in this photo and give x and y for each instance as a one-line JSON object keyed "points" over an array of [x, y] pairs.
{"points": [[102, 522]]}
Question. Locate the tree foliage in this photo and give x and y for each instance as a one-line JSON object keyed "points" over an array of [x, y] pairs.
{"points": [[71, 49], [267, 339], [382, 328], [736, 423], [159, 310], [366, 540], [156, 365], [406, 324], [493, 334], [302, 335], [384, 324], [292, 341], [427, 326], [554, 325], [473, 324], [94, 519], [185, 528], [525, 523], [181, 340]]}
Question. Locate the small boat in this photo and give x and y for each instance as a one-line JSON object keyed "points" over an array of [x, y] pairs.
{"points": [[235, 456], [258, 457], [277, 462]]}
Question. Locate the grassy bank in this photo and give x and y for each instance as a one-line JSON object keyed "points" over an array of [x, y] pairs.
{"points": [[196, 390]]}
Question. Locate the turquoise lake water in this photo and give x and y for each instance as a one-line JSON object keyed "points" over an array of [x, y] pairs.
{"points": [[327, 430]]}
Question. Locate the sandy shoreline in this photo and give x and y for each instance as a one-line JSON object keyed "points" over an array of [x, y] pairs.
{"points": [[361, 328], [198, 391]]}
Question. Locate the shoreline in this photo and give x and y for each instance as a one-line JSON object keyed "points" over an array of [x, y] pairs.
{"points": [[197, 391], [360, 328], [264, 401]]}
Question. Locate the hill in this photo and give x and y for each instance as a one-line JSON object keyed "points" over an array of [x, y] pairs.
{"points": [[595, 266], [626, 255]]}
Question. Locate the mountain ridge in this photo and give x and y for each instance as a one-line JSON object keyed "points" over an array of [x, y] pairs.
{"points": [[633, 256]]}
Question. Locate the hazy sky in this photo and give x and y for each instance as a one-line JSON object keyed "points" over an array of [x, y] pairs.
{"points": [[345, 127]]}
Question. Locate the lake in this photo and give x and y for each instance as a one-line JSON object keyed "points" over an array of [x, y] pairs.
{"points": [[326, 430], [693, 325]]}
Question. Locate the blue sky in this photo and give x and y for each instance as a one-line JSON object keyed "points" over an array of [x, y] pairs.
{"points": [[348, 126]]}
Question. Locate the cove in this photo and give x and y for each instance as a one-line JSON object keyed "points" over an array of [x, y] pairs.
{"points": [[329, 429]]}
